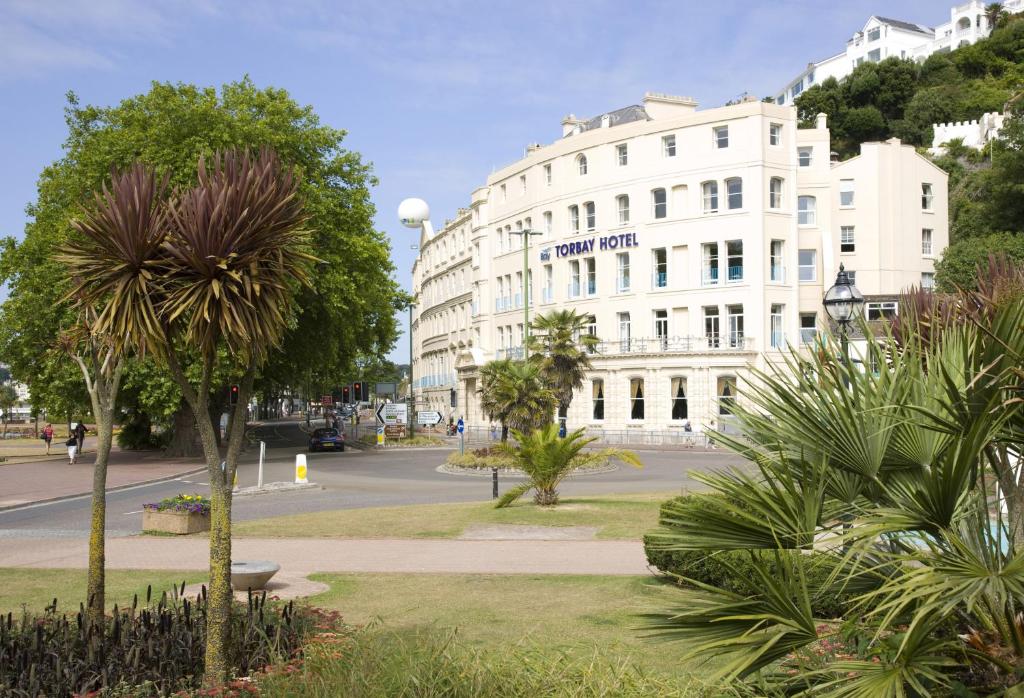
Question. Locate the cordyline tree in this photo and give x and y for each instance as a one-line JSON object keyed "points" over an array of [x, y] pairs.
{"points": [[219, 277]]}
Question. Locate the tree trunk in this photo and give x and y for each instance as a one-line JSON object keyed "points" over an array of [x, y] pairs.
{"points": [[97, 527], [547, 497], [218, 619], [184, 436]]}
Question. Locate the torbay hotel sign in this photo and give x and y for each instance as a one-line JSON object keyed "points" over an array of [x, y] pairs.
{"points": [[608, 242]]}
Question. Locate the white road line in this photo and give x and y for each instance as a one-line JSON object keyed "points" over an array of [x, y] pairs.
{"points": [[129, 513]]}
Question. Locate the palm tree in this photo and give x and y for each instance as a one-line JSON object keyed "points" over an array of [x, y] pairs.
{"points": [[995, 13], [216, 282], [562, 348], [514, 394], [548, 459], [901, 454]]}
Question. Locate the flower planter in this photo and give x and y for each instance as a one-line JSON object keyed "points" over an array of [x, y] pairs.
{"points": [[177, 522]]}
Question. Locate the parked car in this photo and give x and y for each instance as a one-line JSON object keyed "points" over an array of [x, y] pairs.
{"points": [[322, 439]]}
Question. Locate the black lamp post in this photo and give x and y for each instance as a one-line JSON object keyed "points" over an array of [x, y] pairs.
{"points": [[844, 303]]}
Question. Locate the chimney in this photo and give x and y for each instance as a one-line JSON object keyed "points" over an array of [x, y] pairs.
{"points": [[532, 148], [662, 106], [570, 124], [821, 121], [606, 121]]}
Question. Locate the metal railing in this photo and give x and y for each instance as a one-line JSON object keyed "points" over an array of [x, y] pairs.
{"points": [[644, 345]]}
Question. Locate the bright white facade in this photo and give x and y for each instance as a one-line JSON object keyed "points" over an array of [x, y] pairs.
{"points": [[699, 243], [974, 134], [882, 37]]}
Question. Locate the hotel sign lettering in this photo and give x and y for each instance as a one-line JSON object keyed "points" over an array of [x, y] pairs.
{"points": [[608, 242]]}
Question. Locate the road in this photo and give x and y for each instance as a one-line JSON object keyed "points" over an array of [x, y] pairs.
{"points": [[352, 479]]}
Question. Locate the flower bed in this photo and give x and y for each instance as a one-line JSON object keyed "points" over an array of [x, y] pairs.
{"points": [[180, 515]]}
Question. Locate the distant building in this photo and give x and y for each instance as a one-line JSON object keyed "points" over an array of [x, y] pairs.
{"points": [[883, 37], [974, 134]]}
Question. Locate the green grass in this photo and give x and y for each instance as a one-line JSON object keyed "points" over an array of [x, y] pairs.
{"points": [[575, 614], [621, 517], [37, 588]]}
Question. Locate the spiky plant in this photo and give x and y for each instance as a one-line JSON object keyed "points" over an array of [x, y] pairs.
{"points": [[561, 347], [515, 394]]}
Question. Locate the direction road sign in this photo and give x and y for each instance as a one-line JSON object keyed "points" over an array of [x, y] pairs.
{"points": [[392, 414], [428, 418], [461, 425]]}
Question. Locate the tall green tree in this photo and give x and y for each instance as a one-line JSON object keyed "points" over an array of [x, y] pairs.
{"points": [[8, 399], [516, 395], [560, 344]]}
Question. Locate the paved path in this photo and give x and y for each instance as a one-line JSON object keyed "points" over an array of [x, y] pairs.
{"points": [[302, 556]]}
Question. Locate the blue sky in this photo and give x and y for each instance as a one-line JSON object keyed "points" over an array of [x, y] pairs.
{"points": [[435, 94]]}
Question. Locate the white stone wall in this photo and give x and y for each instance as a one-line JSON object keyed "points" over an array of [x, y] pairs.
{"points": [[975, 134]]}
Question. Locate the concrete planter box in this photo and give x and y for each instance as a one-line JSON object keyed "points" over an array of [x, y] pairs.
{"points": [[178, 522]]}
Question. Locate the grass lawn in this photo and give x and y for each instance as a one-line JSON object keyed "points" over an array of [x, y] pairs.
{"points": [[36, 588], [626, 516], [577, 614]]}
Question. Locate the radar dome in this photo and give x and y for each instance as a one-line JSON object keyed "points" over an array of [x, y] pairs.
{"points": [[413, 212]]}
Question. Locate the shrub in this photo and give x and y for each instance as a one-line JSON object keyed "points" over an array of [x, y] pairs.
{"points": [[734, 570], [157, 649], [481, 459]]}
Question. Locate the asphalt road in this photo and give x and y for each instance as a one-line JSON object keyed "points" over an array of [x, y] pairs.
{"points": [[352, 479]]}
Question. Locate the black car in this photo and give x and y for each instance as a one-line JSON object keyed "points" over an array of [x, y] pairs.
{"points": [[327, 438]]}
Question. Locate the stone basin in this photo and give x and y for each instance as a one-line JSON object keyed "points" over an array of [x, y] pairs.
{"points": [[252, 574]]}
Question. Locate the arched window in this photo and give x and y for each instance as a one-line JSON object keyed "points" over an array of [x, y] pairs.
{"points": [[581, 163], [734, 188], [623, 205], [775, 192]]}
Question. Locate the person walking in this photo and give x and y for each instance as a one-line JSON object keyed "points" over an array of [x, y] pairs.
{"points": [[48, 437], [80, 436], [72, 444]]}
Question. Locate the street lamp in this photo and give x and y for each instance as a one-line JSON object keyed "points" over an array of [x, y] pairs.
{"points": [[526, 233], [412, 395], [844, 303], [415, 214]]}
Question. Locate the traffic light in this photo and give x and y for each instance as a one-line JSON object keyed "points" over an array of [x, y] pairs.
{"points": [[233, 399], [346, 395], [357, 389], [455, 398]]}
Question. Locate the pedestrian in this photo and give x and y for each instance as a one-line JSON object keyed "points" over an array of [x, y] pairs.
{"points": [[48, 437], [80, 436], [494, 433], [72, 444], [687, 427]]}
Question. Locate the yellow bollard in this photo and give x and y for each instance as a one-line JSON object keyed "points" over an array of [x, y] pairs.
{"points": [[300, 469]]}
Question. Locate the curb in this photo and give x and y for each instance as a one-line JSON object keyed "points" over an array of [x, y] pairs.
{"points": [[141, 483]]}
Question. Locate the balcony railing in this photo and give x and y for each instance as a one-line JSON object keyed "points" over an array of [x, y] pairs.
{"points": [[653, 345], [710, 276], [736, 273], [515, 353], [660, 279]]}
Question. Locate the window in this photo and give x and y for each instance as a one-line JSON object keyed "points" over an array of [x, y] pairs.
{"points": [[668, 146], [501, 337], [547, 175], [504, 194], [874, 34], [522, 184], [926, 197], [624, 331], [660, 263], [709, 192], [547, 222], [591, 215], [778, 337], [679, 408], [574, 218], [808, 265], [574, 278], [875, 55], [803, 156], [775, 192], [659, 202], [597, 390], [622, 154], [549, 284], [808, 327], [519, 290], [927, 280], [711, 325], [735, 326], [881, 310], [622, 264], [847, 241], [775, 269], [926, 242], [636, 398], [709, 275], [798, 87], [591, 265], [721, 136], [775, 134], [661, 328], [623, 205], [726, 394], [846, 192], [734, 259], [734, 188], [852, 276], [581, 164], [805, 210]]}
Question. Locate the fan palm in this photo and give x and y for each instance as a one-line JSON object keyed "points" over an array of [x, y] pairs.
{"points": [[514, 393], [548, 459], [901, 451], [561, 346]]}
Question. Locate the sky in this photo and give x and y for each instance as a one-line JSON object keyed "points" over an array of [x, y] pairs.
{"points": [[435, 94]]}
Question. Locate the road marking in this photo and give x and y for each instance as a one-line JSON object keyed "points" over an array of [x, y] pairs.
{"points": [[129, 513]]}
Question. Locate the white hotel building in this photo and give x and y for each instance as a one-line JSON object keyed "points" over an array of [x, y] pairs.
{"points": [[699, 243]]}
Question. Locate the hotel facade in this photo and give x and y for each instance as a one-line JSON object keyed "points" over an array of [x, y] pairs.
{"points": [[698, 243]]}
